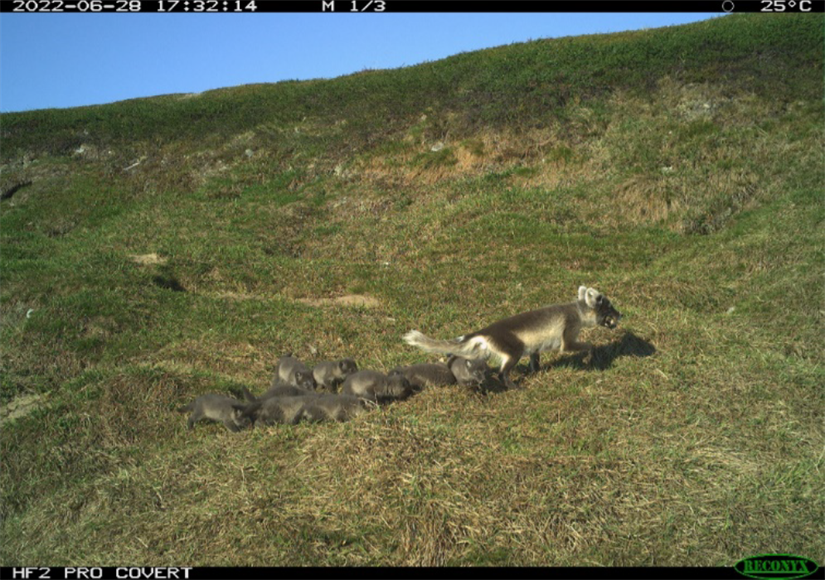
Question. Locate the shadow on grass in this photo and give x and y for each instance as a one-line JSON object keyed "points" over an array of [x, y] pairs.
{"points": [[603, 356], [600, 359]]}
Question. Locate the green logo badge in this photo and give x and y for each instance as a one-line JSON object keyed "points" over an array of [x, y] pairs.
{"points": [[778, 566]]}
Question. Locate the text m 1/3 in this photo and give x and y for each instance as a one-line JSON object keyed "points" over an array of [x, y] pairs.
{"points": [[354, 6]]}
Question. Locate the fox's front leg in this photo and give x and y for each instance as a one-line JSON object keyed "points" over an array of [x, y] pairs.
{"points": [[534, 363], [570, 343]]}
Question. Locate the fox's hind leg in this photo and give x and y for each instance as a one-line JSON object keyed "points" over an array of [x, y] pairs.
{"points": [[504, 372], [509, 349]]}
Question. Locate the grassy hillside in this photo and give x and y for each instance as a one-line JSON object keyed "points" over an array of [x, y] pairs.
{"points": [[161, 248]]}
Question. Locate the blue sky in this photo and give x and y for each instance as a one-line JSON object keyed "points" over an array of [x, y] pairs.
{"points": [[69, 60]]}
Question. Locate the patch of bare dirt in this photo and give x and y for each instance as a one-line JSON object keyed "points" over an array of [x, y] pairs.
{"points": [[346, 300], [147, 259], [20, 407]]}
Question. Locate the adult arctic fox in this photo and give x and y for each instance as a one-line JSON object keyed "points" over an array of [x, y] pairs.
{"points": [[528, 333]]}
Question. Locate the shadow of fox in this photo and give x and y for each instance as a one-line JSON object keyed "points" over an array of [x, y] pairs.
{"points": [[602, 357]]}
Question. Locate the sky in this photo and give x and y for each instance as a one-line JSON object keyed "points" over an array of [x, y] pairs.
{"points": [[70, 60]]}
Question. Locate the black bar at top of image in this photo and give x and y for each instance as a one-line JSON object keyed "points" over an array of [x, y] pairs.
{"points": [[412, 6]]}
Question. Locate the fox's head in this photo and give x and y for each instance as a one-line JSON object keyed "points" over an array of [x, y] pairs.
{"points": [[305, 380], [243, 415], [606, 315], [468, 371], [347, 366]]}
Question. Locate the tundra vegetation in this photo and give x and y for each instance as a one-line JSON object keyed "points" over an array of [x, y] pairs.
{"points": [[167, 247]]}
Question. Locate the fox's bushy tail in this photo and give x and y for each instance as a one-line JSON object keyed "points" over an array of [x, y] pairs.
{"points": [[473, 348]]}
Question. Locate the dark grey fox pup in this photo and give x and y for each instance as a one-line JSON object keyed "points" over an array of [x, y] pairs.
{"points": [[279, 390], [231, 412], [293, 372], [528, 333], [468, 371], [330, 374], [334, 408], [463, 371], [291, 410], [376, 386], [275, 410]]}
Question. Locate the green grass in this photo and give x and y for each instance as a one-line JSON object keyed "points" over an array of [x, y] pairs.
{"points": [[196, 239]]}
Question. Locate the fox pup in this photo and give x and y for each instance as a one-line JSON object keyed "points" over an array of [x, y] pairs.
{"points": [[279, 390], [293, 372], [292, 410], [463, 371], [330, 374], [376, 386], [528, 333], [334, 408], [275, 410], [231, 412]]}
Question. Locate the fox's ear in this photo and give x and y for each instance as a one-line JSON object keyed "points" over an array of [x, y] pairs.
{"points": [[250, 410], [592, 297], [582, 292]]}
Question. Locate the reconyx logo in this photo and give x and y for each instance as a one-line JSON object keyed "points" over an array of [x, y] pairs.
{"points": [[779, 566]]}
